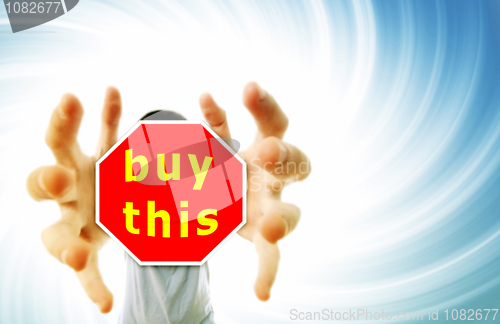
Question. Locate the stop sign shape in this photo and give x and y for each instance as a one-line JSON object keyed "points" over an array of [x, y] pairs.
{"points": [[170, 192]]}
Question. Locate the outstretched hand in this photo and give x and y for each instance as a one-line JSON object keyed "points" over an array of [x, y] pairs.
{"points": [[271, 165], [75, 239]]}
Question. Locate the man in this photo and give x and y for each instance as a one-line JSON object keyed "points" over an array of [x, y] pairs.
{"points": [[165, 294]]}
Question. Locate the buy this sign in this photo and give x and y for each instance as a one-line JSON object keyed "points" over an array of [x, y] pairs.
{"points": [[170, 192]]}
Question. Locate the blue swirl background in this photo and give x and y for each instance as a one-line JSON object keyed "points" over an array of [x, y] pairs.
{"points": [[397, 103]]}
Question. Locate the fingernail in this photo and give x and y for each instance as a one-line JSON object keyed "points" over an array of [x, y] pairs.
{"points": [[285, 223], [40, 181], [42, 185], [262, 92], [283, 152], [60, 112], [63, 256]]}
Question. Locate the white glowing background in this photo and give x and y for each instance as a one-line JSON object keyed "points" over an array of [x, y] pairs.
{"points": [[396, 103]]}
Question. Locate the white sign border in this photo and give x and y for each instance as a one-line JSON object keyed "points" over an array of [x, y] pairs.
{"points": [[170, 122]]}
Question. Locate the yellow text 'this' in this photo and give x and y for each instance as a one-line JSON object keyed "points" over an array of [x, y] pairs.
{"points": [[130, 212]]}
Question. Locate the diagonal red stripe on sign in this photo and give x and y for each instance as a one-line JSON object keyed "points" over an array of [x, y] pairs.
{"points": [[209, 136]]}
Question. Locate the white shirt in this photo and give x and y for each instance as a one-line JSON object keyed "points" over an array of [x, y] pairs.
{"points": [[170, 295]]}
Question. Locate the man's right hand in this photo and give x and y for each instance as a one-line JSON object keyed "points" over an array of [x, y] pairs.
{"points": [[75, 239]]}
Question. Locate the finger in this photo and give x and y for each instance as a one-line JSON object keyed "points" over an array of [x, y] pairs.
{"points": [[51, 182], [93, 284], [270, 119], [279, 220], [63, 130], [282, 159], [63, 242], [110, 116], [215, 116], [269, 258]]}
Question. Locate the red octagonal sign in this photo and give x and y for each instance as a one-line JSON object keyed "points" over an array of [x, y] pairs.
{"points": [[170, 192]]}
